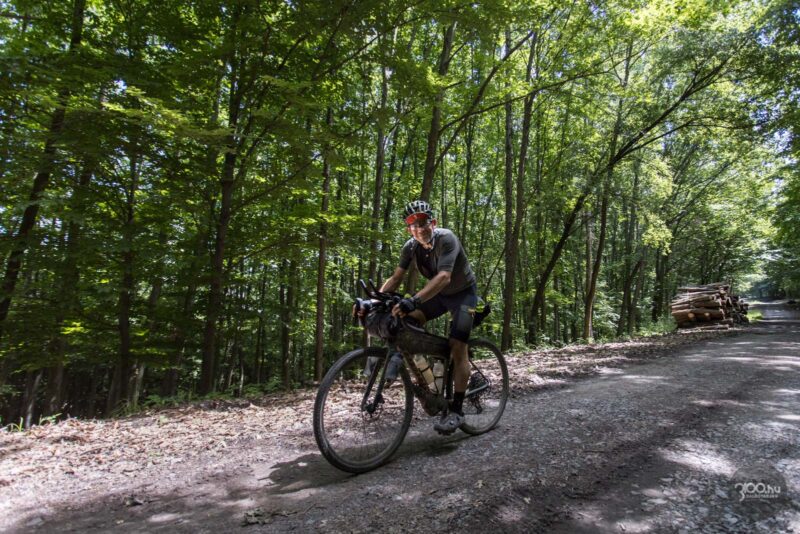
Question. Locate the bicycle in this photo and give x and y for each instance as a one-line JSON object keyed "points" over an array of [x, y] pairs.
{"points": [[360, 419]]}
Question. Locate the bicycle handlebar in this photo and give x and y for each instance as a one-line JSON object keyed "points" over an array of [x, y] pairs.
{"points": [[388, 299], [382, 296]]}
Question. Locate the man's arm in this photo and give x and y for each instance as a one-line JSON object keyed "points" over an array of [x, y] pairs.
{"points": [[394, 281], [434, 285]]}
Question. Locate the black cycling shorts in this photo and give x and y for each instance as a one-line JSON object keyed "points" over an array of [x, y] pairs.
{"points": [[461, 305]]}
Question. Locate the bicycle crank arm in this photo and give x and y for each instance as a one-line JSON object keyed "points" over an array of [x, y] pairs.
{"points": [[478, 389]]}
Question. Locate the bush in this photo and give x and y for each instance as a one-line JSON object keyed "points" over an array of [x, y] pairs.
{"points": [[664, 325]]}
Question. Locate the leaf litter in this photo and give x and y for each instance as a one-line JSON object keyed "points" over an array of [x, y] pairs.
{"points": [[115, 456]]}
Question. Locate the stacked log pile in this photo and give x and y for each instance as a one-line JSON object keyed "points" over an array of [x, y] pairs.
{"points": [[708, 307]]}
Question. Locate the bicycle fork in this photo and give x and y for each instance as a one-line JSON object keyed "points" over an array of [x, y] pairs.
{"points": [[366, 405]]}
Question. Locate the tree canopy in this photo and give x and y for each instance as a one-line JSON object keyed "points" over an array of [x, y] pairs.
{"points": [[189, 192]]}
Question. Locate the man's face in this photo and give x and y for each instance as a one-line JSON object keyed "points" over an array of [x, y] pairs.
{"points": [[422, 230]]}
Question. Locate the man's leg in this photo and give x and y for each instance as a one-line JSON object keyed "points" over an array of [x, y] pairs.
{"points": [[418, 316], [461, 367], [459, 353]]}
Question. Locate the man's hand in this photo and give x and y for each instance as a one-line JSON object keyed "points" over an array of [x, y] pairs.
{"points": [[361, 308], [405, 306]]}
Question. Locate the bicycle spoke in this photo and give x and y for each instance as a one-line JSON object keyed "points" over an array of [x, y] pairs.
{"points": [[487, 392], [357, 438]]}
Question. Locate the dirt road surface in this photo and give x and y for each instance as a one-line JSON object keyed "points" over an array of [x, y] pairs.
{"points": [[705, 440]]}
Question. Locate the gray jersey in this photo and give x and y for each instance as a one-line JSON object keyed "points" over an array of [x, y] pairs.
{"points": [[447, 254]]}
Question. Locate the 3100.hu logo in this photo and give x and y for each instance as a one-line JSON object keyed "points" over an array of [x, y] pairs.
{"points": [[758, 482]]}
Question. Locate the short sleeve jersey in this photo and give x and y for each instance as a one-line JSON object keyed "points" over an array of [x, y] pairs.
{"points": [[447, 254]]}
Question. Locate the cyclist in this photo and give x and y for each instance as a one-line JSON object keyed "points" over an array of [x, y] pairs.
{"points": [[451, 286]]}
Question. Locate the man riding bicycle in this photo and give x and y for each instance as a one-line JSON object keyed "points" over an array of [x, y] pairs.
{"points": [[441, 259]]}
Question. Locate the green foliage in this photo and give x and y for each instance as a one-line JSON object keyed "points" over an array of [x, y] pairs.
{"points": [[663, 325], [13, 427], [49, 420], [157, 401], [119, 277]]}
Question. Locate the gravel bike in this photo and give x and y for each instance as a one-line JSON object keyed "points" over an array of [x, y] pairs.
{"points": [[360, 418]]}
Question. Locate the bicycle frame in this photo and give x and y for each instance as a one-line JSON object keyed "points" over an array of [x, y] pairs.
{"points": [[415, 340], [360, 420], [412, 340]]}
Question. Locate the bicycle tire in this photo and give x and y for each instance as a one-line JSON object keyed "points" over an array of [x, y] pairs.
{"points": [[349, 437], [489, 376]]}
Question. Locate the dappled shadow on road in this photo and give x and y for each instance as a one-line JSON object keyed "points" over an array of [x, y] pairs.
{"points": [[282, 494], [659, 479], [263, 493]]}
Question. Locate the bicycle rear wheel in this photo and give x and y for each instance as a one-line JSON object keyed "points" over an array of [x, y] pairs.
{"points": [[355, 431], [487, 392]]}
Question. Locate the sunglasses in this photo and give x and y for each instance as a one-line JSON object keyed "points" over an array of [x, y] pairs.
{"points": [[419, 224]]}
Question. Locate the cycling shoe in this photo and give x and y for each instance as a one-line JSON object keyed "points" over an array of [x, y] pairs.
{"points": [[448, 423]]}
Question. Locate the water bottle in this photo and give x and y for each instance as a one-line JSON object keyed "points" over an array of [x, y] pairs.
{"points": [[425, 367], [438, 375]]}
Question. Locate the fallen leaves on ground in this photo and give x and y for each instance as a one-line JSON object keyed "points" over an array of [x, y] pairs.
{"points": [[82, 453]]}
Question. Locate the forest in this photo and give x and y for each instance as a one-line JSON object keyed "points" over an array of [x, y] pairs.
{"points": [[190, 191]]}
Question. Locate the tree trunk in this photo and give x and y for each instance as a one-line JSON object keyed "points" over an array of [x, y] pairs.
{"points": [[121, 390], [660, 285], [467, 200], [68, 295], [556, 312], [215, 296], [169, 385], [588, 330], [508, 196], [152, 327], [319, 332], [392, 175], [40, 181], [380, 158], [514, 225], [634, 317], [432, 150], [286, 299], [55, 388], [630, 236], [227, 183], [541, 285], [32, 380]]}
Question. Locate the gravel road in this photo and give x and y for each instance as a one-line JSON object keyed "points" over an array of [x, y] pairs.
{"points": [[706, 440]]}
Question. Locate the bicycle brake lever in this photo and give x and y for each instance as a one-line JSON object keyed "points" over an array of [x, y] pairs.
{"points": [[375, 290], [364, 287]]}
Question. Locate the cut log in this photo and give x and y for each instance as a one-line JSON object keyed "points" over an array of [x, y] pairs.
{"points": [[707, 307], [709, 313]]}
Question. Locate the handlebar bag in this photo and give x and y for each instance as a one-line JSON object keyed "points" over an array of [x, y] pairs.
{"points": [[381, 324]]}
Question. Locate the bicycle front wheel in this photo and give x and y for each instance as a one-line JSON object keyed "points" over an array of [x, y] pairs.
{"points": [[355, 429], [487, 392]]}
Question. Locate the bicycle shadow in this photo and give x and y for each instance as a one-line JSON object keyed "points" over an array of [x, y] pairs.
{"points": [[426, 442], [312, 471]]}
